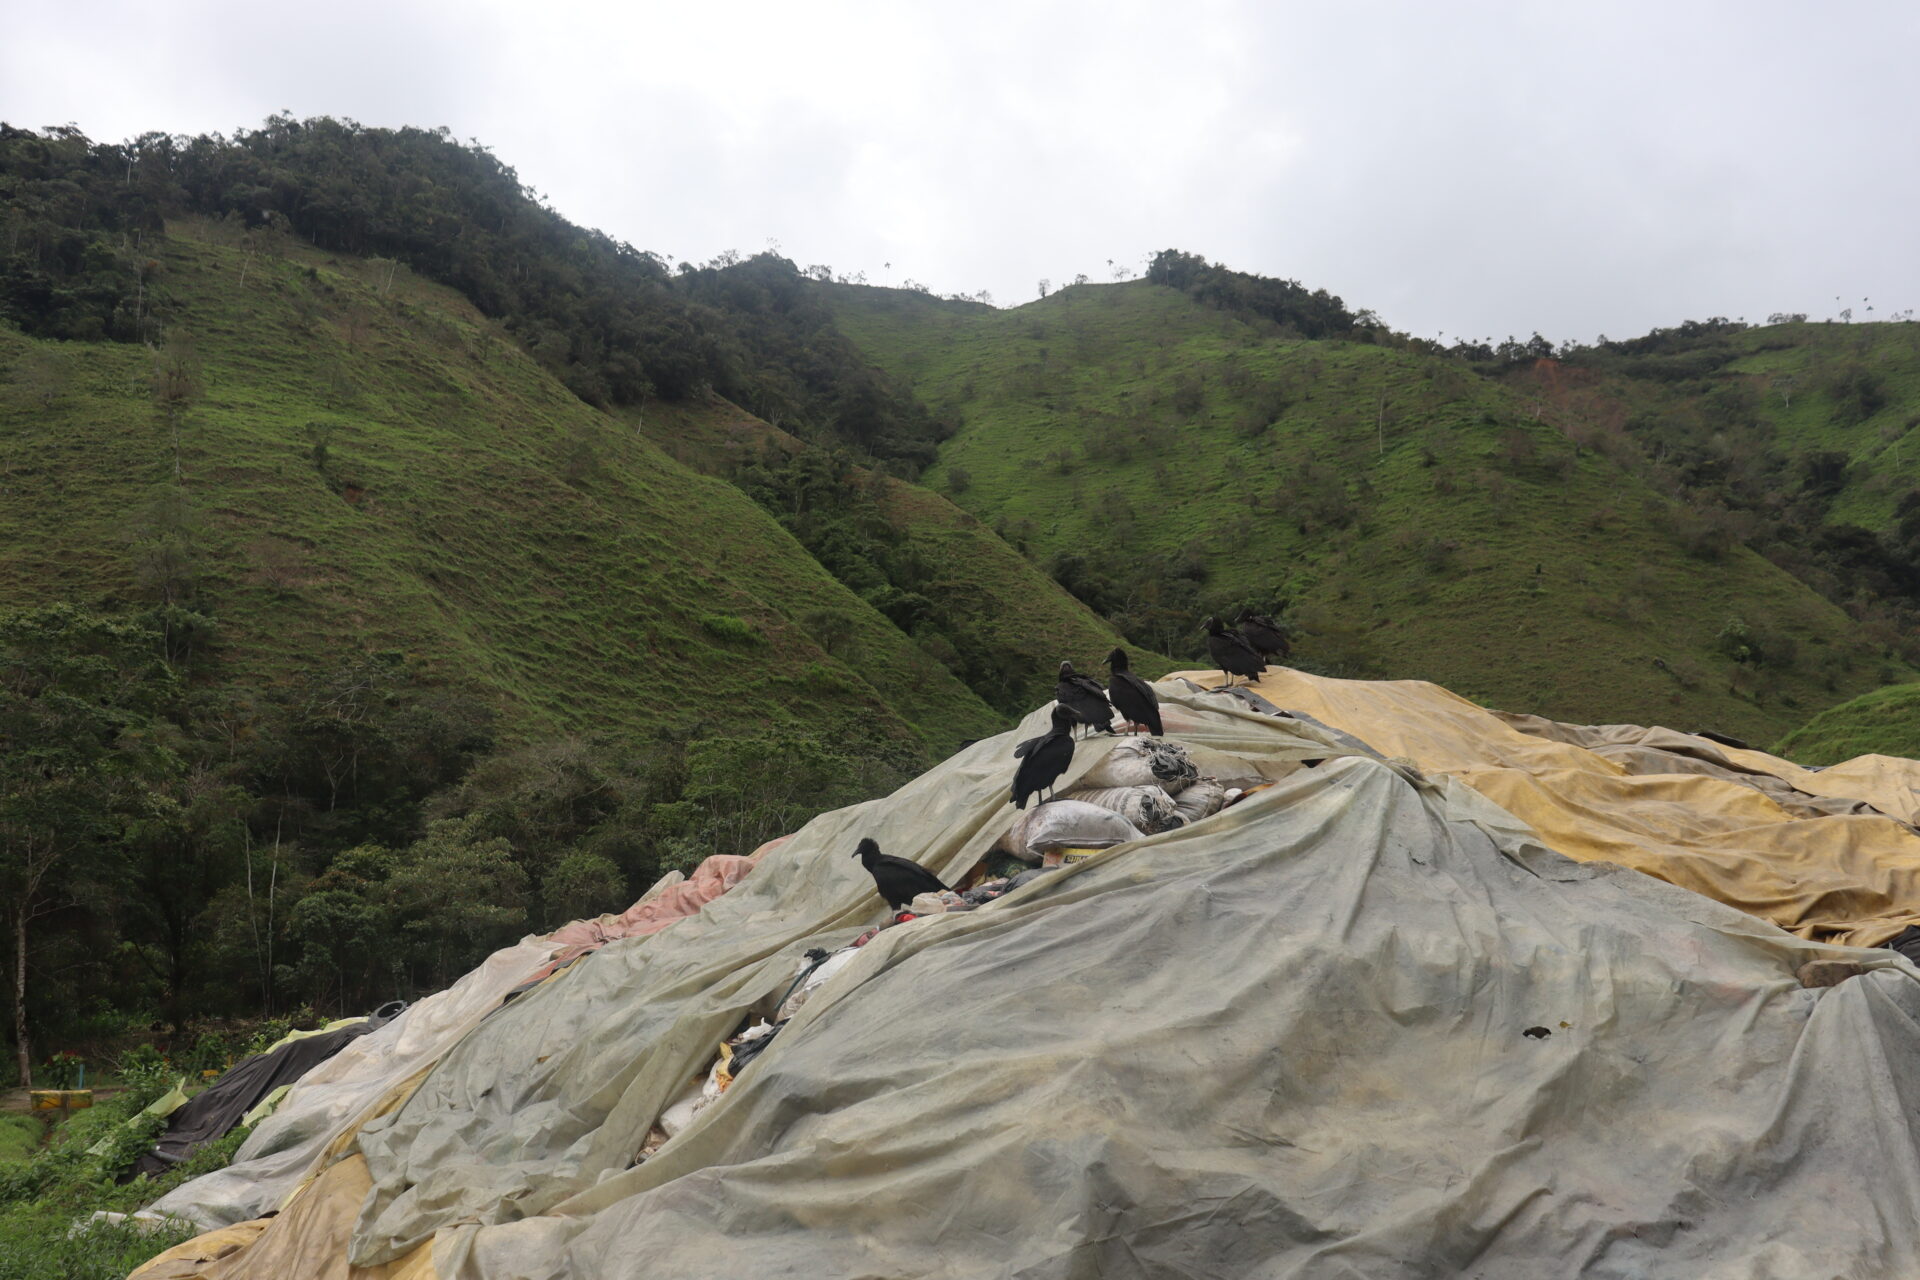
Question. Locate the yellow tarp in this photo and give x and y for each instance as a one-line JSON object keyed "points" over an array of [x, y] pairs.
{"points": [[1721, 821], [308, 1239]]}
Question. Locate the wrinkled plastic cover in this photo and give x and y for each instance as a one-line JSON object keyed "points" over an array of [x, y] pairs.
{"points": [[1362, 1023], [338, 1094], [1828, 854]]}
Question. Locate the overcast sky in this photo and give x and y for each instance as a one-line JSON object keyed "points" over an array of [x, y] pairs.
{"points": [[1468, 168]]}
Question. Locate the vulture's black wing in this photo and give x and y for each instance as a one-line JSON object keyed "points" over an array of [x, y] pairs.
{"points": [[1050, 757], [1086, 699], [1136, 700]]}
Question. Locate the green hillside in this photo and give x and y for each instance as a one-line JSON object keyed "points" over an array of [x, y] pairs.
{"points": [[1780, 394], [1164, 459], [996, 618], [365, 464], [1884, 722], [1859, 394], [1794, 438]]}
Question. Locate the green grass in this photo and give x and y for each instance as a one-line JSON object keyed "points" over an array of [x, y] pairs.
{"points": [[1010, 603], [1483, 550], [42, 1199], [470, 512], [1789, 366], [19, 1137], [1785, 373], [1884, 722]]}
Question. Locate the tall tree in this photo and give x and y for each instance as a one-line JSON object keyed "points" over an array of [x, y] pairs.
{"points": [[78, 696]]}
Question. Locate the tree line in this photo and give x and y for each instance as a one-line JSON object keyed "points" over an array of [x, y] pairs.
{"points": [[613, 322], [175, 847]]}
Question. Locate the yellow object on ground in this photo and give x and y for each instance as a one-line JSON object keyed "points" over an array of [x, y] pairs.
{"points": [[1739, 826], [58, 1099]]}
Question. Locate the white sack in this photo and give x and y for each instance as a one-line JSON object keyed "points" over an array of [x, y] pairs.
{"points": [[1148, 808], [1065, 824], [1144, 762]]}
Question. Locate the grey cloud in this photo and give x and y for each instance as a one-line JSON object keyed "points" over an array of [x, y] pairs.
{"points": [[1474, 169]]}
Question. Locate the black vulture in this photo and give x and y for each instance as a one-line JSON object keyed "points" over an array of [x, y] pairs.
{"points": [[1044, 759], [1267, 637], [898, 880], [1084, 697], [1134, 696], [1231, 652]]}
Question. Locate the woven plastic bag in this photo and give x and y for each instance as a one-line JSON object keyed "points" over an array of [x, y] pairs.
{"points": [[1144, 762]]}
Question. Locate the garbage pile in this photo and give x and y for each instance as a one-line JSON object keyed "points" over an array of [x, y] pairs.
{"points": [[1295, 995]]}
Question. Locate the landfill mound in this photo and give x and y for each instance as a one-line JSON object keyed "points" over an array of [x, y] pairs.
{"points": [[1365, 1021]]}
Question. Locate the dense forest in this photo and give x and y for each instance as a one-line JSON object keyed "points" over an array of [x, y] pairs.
{"points": [[193, 849]]}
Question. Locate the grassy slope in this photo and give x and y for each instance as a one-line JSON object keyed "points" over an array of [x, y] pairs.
{"points": [[1016, 605], [1577, 640], [1799, 414], [472, 514], [1789, 369], [1884, 722], [19, 1136]]}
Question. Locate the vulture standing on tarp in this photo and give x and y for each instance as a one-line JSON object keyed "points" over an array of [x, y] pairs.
{"points": [[1043, 759], [1231, 652], [1267, 637], [1083, 696], [898, 880], [1134, 696]]}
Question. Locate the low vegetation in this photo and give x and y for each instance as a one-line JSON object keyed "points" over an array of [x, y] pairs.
{"points": [[1884, 722], [1163, 460]]}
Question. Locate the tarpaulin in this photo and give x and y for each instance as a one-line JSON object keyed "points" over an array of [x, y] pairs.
{"points": [[308, 1240], [1361, 1023], [674, 898], [211, 1113], [336, 1096], [331, 1101], [1828, 854]]}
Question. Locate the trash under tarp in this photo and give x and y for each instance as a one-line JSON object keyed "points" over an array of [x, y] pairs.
{"points": [[211, 1113], [334, 1098], [1358, 1023]]}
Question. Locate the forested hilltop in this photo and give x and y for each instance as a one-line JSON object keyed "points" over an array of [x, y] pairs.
{"points": [[390, 566]]}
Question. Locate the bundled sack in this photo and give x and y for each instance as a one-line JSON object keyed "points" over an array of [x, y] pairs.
{"points": [[1144, 762], [1065, 824], [1148, 808], [1201, 799], [812, 976]]}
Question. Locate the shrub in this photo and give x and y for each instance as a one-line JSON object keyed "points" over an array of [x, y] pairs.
{"points": [[1858, 393], [722, 626], [1736, 641]]}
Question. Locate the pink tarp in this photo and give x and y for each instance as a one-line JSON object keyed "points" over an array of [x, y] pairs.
{"points": [[652, 913]]}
